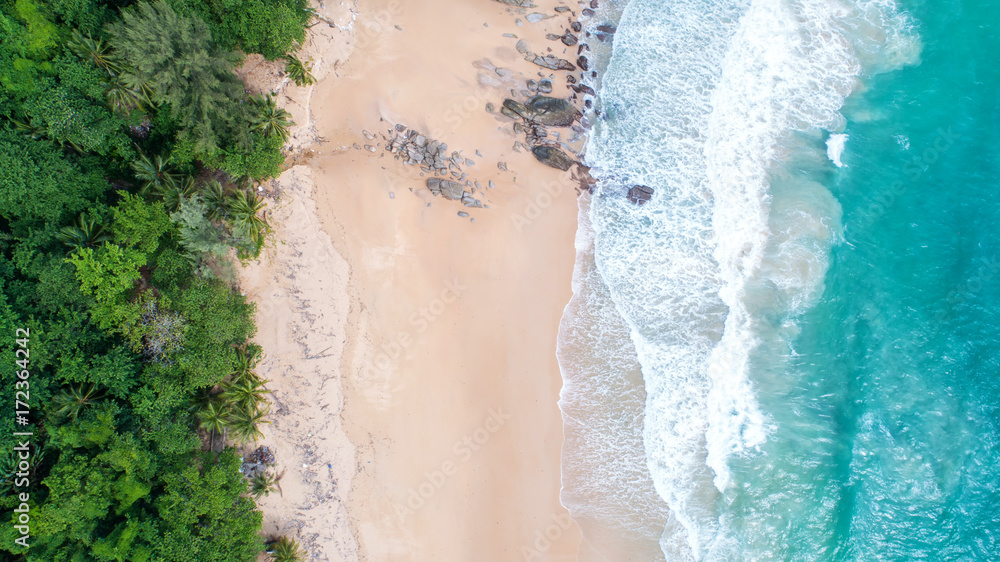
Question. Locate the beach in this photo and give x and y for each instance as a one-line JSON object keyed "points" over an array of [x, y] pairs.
{"points": [[411, 350]]}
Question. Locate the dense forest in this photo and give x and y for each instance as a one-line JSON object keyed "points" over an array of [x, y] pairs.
{"points": [[130, 153]]}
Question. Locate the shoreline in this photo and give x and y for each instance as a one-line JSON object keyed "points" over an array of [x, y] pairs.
{"points": [[442, 334]]}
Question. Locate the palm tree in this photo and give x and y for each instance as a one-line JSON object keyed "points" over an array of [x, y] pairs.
{"points": [[156, 174], [173, 195], [214, 418], [262, 484], [269, 119], [285, 549], [84, 233], [244, 422], [95, 51], [298, 71], [246, 392], [247, 358], [73, 401], [121, 96], [214, 196], [243, 207]]}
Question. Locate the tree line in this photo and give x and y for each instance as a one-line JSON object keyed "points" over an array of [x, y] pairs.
{"points": [[130, 154]]}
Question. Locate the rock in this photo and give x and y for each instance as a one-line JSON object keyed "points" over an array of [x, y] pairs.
{"points": [[582, 63], [463, 214], [587, 12], [553, 37], [552, 156], [492, 185], [469, 162], [392, 195], [522, 47], [555, 112], [571, 79], [553, 63], [518, 128], [593, 4], [421, 141], [510, 35], [400, 128], [535, 17], [502, 166], [368, 135], [532, 86], [518, 3], [434, 184], [503, 72], [576, 26], [516, 106], [469, 201], [569, 39], [609, 29], [640, 194], [562, 9], [545, 86], [584, 89], [369, 148], [452, 190], [605, 37], [509, 113], [357, 146]]}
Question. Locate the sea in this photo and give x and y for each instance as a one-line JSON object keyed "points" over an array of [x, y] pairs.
{"points": [[791, 352]]}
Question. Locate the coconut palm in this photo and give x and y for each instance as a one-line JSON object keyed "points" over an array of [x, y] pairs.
{"points": [[83, 233], [173, 194], [122, 96], [71, 402], [214, 197], [247, 358], [244, 422], [214, 418], [243, 207], [156, 174], [285, 549], [95, 51], [269, 119], [262, 484], [298, 71], [246, 392]]}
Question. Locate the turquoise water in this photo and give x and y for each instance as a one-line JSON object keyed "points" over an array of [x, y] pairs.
{"points": [[787, 358]]}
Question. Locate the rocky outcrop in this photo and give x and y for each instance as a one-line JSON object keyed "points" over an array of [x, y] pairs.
{"points": [[416, 149], [552, 156], [640, 194], [518, 3], [554, 112], [553, 63]]}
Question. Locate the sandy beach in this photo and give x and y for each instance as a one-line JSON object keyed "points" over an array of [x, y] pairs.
{"points": [[411, 351]]}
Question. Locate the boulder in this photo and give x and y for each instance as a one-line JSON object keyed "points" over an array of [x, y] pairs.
{"points": [[545, 86], [516, 107], [569, 39], [553, 63], [555, 112], [518, 3], [640, 194], [452, 190], [582, 63], [552, 156]]}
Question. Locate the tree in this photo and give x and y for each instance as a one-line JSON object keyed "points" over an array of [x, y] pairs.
{"points": [[75, 399], [175, 57], [285, 549], [269, 119], [83, 234], [298, 71], [156, 174]]}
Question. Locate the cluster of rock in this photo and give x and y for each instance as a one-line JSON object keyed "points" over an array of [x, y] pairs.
{"points": [[257, 462], [416, 149], [533, 117], [640, 194]]}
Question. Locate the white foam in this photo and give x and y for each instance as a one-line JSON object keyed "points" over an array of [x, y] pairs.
{"points": [[835, 148], [702, 101]]}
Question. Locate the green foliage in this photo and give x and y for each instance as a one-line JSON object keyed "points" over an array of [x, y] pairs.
{"points": [[268, 27], [175, 58], [298, 71], [109, 274], [285, 549], [261, 160], [268, 119], [83, 234], [75, 399]]}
